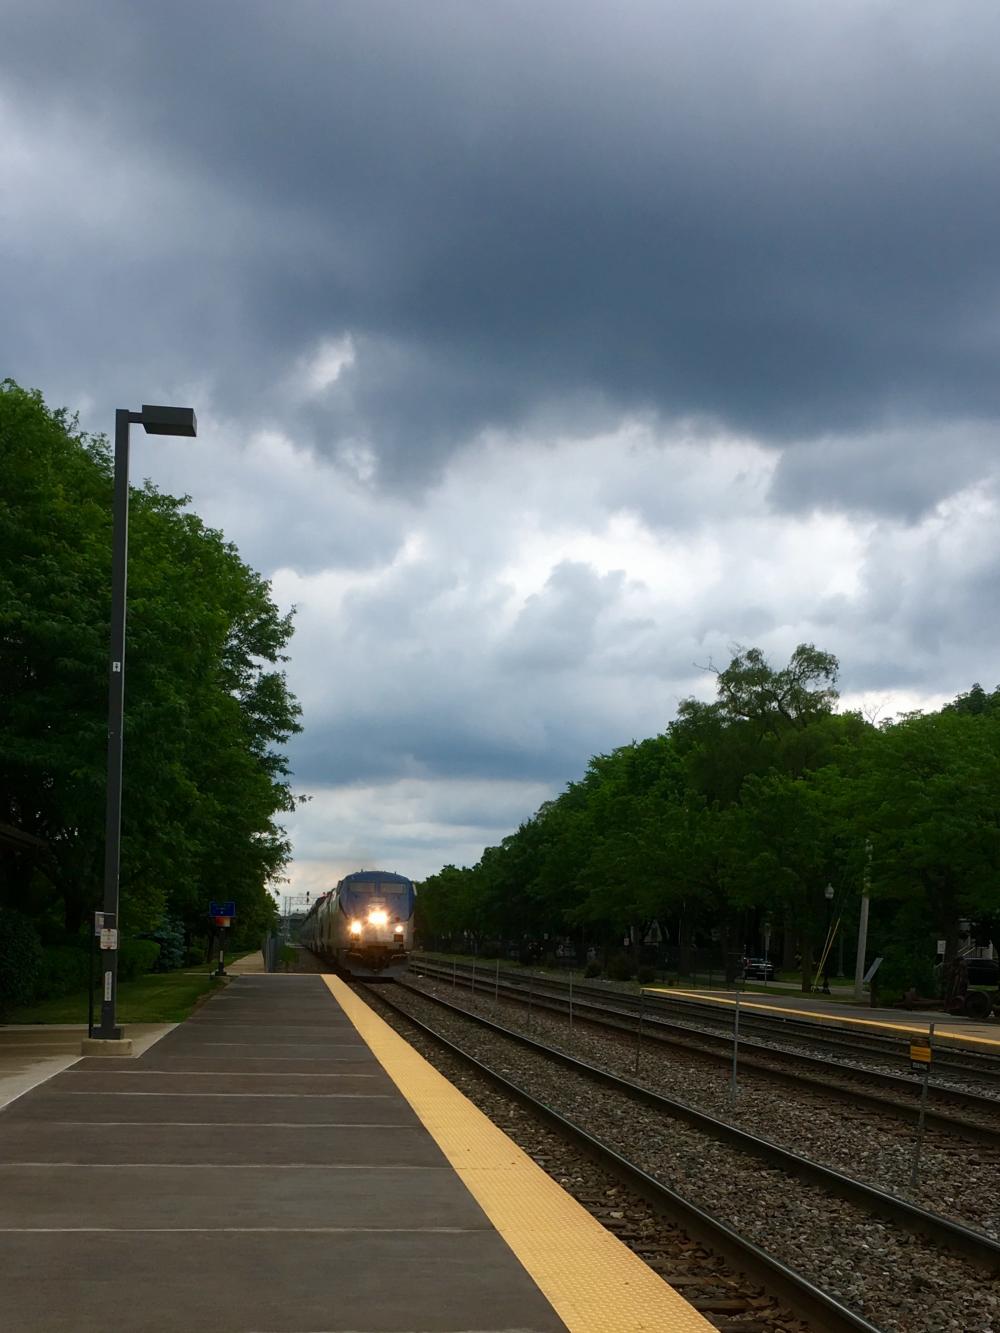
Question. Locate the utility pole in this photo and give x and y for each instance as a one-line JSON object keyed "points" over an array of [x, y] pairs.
{"points": [[866, 887]]}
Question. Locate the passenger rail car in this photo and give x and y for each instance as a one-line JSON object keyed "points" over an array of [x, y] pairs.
{"points": [[364, 925]]}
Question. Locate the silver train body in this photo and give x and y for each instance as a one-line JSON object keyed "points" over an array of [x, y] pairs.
{"points": [[364, 925]]}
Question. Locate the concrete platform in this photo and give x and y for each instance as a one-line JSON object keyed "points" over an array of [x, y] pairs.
{"points": [[956, 1031], [30, 1054], [258, 1170]]}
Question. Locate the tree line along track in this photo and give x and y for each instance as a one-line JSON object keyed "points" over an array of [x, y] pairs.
{"points": [[621, 1013], [720, 1272]]}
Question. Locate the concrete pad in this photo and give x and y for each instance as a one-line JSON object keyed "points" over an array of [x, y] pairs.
{"points": [[210, 1081], [64, 1037], [215, 1064], [333, 1051], [252, 964], [219, 1178], [154, 1108], [955, 1031], [140, 1197], [106, 1047], [273, 1283], [30, 1055], [247, 1029], [388, 1150], [18, 1076]]}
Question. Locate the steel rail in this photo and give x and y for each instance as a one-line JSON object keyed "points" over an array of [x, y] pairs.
{"points": [[718, 1048], [976, 1063], [969, 1244], [973, 1064], [817, 1307]]}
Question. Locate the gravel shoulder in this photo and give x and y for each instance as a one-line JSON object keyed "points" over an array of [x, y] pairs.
{"points": [[898, 1281]]}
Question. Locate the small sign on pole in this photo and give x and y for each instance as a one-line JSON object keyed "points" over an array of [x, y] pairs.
{"points": [[920, 1054], [920, 1062], [872, 970], [222, 914], [733, 1087], [109, 939]]}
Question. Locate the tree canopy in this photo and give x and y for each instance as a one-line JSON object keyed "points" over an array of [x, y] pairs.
{"points": [[741, 813], [207, 708]]}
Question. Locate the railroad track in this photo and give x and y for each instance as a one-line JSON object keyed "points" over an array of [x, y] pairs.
{"points": [[705, 1258], [971, 1245], [617, 1012], [959, 1061]]}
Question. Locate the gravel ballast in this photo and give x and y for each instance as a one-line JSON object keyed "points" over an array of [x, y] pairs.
{"points": [[957, 1179], [897, 1280]]}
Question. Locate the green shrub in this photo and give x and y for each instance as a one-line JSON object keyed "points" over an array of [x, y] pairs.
{"points": [[136, 957], [903, 967], [20, 959], [646, 975], [169, 935], [593, 969], [64, 968], [620, 967], [194, 957]]}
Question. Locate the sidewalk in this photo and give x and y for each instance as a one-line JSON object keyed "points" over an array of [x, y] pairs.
{"points": [[30, 1054], [251, 965]]}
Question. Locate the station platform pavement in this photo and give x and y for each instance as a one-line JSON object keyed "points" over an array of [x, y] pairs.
{"points": [[283, 1162], [30, 1053], [954, 1030]]}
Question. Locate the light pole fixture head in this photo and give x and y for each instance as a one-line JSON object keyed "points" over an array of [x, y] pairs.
{"points": [[828, 892], [168, 420]]}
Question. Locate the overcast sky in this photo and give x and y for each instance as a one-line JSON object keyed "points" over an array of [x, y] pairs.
{"points": [[542, 353]]}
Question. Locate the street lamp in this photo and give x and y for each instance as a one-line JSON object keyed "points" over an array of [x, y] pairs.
{"points": [[155, 421], [828, 895]]}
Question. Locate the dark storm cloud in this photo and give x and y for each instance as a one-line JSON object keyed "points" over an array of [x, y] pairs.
{"points": [[903, 471], [779, 217]]}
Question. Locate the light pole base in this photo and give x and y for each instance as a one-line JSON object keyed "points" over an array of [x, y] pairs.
{"points": [[104, 1046]]}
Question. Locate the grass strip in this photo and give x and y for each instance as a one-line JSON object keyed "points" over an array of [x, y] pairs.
{"points": [[159, 997]]}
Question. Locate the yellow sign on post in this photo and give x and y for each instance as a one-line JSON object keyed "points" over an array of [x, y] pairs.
{"points": [[920, 1056]]}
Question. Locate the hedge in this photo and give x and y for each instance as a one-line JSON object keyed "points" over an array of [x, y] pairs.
{"points": [[20, 959], [136, 957], [65, 968]]}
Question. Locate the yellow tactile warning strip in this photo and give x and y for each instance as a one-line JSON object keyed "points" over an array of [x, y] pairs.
{"points": [[809, 1014], [593, 1282]]}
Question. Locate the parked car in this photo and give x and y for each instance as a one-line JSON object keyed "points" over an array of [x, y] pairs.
{"points": [[758, 969]]}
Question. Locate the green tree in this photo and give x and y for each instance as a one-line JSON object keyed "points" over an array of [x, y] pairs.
{"points": [[207, 707], [929, 799]]}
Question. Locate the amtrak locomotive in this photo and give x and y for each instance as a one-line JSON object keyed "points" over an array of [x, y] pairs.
{"points": [[364, 925]]}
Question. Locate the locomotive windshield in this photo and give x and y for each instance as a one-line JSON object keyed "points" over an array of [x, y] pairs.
{"points": [[397, 895]]}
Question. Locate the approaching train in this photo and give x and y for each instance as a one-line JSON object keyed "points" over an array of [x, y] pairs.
{"points": [[364, 925]]}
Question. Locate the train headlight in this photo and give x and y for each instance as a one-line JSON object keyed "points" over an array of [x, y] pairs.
{"points": [[355, 927], [399, 930], [378, 917]]}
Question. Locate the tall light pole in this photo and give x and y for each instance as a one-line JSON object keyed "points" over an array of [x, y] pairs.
{"points": [[828, 895], [866, 887], [155, 421]]}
